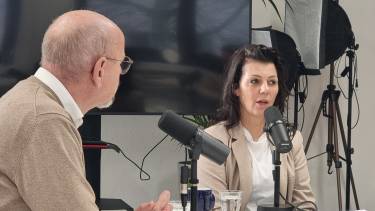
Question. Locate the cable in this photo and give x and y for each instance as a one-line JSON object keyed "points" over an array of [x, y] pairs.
{"points": [[303, 93], [305, 202], [296, 207], [143, 160], [358, 109], [286, 201], [303, 117], [140, 168], [338, 76], [355, 81], [337, 64], [99, 144], [316, 156]]}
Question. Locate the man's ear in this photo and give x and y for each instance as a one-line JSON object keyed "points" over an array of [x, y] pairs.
{"points": [[98, 72]]}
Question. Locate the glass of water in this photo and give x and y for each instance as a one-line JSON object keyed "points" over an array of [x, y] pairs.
{"points": [[177, 206], [230, 200]]}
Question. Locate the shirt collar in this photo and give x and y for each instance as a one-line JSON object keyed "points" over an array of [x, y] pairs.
{"points": [[62, 93], [249, 138]]}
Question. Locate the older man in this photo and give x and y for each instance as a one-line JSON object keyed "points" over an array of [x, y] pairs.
{"points": [[41, 158]]}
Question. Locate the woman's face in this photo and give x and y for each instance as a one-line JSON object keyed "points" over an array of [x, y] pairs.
{"points": [[258, 87]]}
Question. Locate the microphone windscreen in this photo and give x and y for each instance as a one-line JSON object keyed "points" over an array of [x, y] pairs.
{"points": [[272, 114], [177, 127]]}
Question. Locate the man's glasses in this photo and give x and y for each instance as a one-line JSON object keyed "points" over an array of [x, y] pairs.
{"points": [[125, 64]]}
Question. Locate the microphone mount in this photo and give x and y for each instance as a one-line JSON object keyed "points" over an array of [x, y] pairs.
{"points": [[276, 177], [194, 153]]}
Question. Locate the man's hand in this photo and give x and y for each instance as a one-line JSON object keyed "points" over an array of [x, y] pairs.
{"points": [[160, 205]]}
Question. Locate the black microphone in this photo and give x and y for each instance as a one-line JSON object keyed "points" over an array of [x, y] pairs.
{"points": [[190, 135], [275, 126]]}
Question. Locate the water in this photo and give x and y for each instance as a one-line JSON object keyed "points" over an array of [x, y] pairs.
{"points": [[178, 207], [230, 201]]}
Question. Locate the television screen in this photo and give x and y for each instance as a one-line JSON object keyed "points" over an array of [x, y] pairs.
{"points": [[179, 48]]}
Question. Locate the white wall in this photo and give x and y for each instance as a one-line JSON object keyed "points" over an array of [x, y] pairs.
{"points": [[137, 134]]}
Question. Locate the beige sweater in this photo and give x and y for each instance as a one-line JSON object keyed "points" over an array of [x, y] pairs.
{"points": [[236, 172], [41, 157]]}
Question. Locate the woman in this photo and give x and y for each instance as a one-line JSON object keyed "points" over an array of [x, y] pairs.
{"points": [[254, 81]]}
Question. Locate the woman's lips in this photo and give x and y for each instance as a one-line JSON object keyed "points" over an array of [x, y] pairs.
{"points": [[262, 103]]}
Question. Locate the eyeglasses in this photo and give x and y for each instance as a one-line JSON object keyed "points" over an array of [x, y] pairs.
{"points": [[125, 64]]}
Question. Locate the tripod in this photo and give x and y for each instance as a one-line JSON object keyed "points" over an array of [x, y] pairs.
{"points": [[332, 149]]}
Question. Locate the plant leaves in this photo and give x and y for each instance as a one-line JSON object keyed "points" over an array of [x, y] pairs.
{"points": [[275, 8], [264, 2], [277, 11], [289, 5]]}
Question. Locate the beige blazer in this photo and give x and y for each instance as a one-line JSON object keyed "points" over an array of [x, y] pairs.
{"points": [[235, 173]]}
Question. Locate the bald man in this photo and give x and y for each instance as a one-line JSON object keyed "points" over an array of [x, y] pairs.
{"points": [[41, 157]]}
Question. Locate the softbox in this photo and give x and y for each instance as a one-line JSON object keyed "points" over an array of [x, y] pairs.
{"points": [[320, 29]]}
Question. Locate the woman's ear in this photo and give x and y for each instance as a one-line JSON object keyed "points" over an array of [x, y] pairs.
{"points": [[97, 72], [235, 89]]}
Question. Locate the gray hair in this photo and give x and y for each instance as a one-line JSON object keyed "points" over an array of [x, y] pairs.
{"points": [[74, 45]]}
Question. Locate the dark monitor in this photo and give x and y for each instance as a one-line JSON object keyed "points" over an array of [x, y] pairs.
{"points": [[179, 47]]}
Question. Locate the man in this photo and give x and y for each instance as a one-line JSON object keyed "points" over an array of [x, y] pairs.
{"points": [[41, 158]]}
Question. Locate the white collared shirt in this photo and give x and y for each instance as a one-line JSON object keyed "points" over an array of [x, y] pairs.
{"points": [[262, 179], [62, 93]]}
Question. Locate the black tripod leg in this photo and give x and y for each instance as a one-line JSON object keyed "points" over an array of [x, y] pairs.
{"points": [[341, 129], [348, 165], [313, 127]]}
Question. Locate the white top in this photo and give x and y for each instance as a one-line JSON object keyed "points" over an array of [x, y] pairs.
{"points": [[62, 93], [262, 179]]}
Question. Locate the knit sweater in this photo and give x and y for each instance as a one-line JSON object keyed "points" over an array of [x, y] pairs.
{"points": [[41, 157]]}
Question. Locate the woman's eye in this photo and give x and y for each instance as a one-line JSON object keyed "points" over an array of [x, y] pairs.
{"points": [[254, 81], [272, 82]]}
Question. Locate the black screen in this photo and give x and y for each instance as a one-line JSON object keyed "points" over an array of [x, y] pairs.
{"points": [[179, 47]]}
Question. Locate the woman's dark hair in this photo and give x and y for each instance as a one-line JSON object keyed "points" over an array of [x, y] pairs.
{"points": [[230, 110]]}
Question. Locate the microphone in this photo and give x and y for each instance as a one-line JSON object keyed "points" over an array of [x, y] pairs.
{"points": [[190, 135], [275, 126]]}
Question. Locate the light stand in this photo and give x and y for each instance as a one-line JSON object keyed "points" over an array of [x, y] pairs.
{"points": [[349, 150], [334, 121], [341, 38]]}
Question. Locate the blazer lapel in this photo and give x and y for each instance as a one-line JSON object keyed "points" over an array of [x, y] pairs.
{"points": [[242, 155]]}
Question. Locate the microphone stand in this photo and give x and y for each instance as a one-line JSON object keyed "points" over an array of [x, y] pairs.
{"points": [[276, 178], [184, 178], [194, 153]]}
